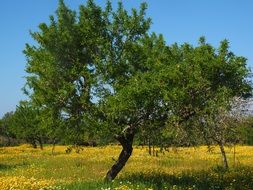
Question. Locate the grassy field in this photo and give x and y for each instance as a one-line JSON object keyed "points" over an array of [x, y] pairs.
{"points": [[183, 168]]}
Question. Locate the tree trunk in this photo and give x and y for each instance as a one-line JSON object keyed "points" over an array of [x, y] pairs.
{"points": [[126, 141], [149, 146], [234, 155], [9, 140], [34, 145], [32, 141], [53, 148], [39, 139], [223, 153]]}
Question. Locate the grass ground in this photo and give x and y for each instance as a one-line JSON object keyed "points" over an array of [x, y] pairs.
{"points": [[183, 168]]}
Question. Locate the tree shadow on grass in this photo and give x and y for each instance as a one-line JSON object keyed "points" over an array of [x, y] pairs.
{"points": [[215, 178], [6, 167]]}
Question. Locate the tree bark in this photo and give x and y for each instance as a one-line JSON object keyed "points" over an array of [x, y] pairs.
{"points": [[149, 147], [40, 142], [53, 148], [234, 155], [126, 141], [9, 140], [223, 153]]}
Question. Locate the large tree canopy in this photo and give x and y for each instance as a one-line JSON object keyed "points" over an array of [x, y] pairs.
{"points": [[102, 70]]}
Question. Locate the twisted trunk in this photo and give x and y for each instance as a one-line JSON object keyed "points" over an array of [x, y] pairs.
{"points": [[126, 141]]}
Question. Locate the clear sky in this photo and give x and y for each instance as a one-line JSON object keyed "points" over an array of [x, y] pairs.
{"points": [[178, 20]]}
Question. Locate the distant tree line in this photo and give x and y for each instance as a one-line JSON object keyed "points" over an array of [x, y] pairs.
{"points": [[101, 75]]}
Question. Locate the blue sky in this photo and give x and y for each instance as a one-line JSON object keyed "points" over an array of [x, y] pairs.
{"points": [[178, 20]]}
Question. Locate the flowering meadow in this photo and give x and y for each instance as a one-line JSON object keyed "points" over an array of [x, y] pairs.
{"points": [[24, 168]]}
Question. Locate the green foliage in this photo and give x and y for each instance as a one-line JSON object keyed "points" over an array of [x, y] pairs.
{"points": [[245, 131], [60, 75], [5, 124], [206, 82], [188, 90], [26, 124], [7, 137], [77, 56]]}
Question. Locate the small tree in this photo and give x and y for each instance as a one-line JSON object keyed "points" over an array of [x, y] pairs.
{"points": [[26, 124], [5, 128], [245, 130], [204, 104]]}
